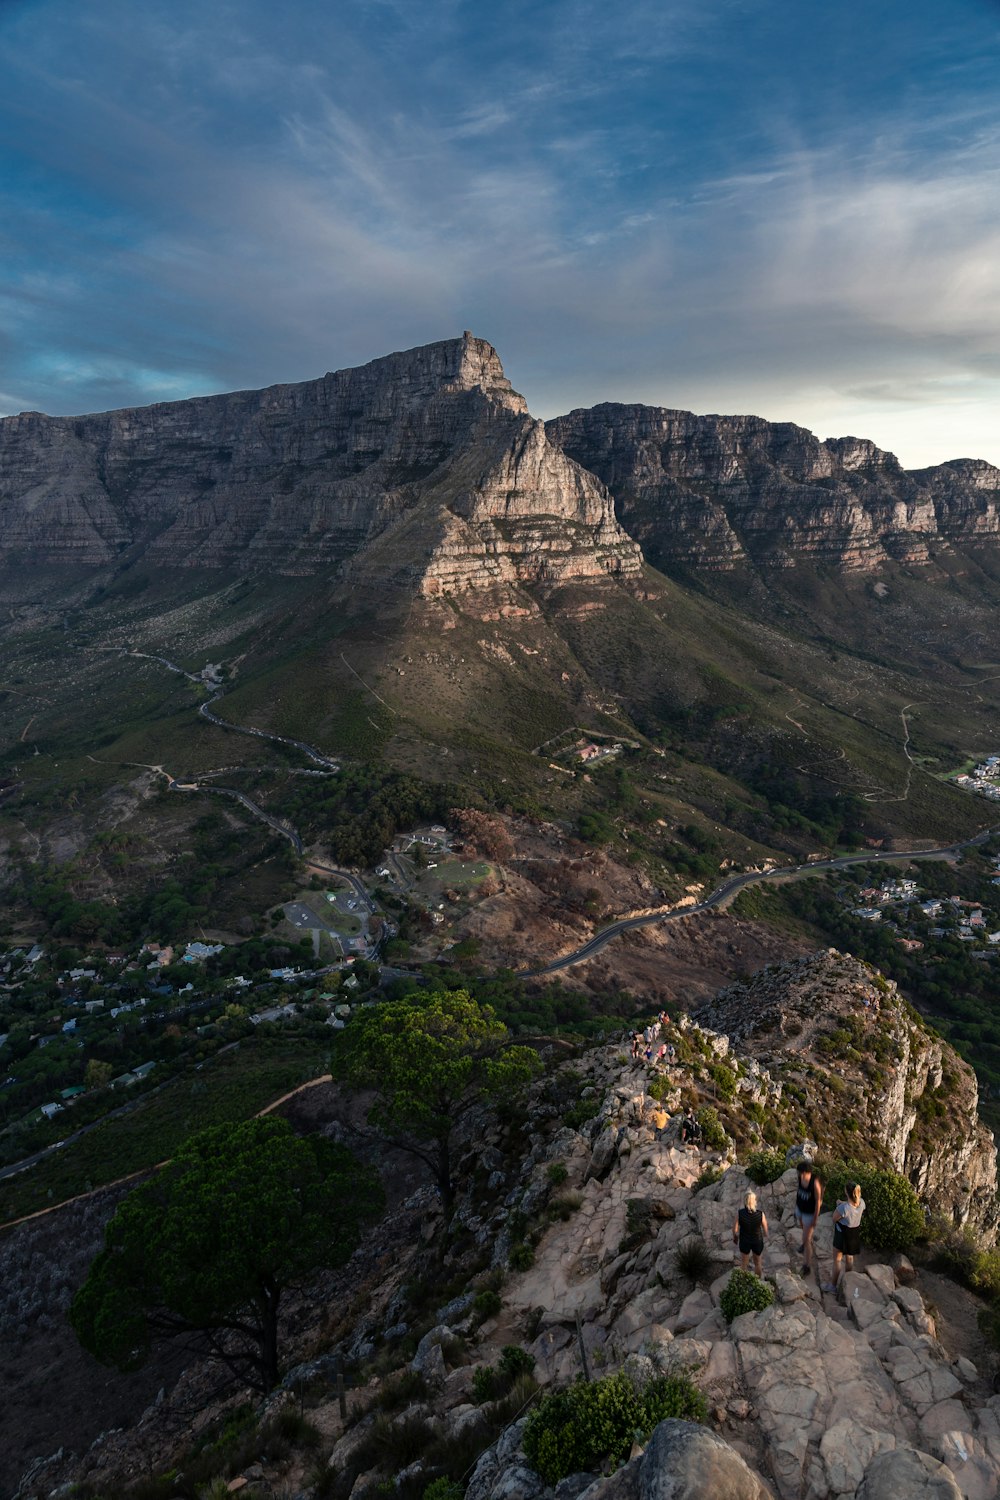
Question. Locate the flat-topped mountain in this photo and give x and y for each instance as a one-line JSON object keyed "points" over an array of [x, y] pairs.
{"points": [[714, 491], [425, 467], [427, 462]]}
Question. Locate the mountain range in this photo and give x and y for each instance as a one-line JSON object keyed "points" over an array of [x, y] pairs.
{"points": [[400, 562], [426, 466]]}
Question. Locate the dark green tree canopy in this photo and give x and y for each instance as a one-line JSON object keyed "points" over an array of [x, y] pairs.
{"points": [[431, 1059], [209, 1245]]}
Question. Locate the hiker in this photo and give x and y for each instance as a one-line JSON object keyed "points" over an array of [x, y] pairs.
{"points": [[661, 1056], [636, 1043], [846, 1233], [749, 1229], [808, 1203], [690, 1129]]}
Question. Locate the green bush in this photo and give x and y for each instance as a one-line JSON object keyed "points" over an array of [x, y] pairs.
{"points": [[565, 1206], [711, 1128], [744, 1292], [521, 1257], [961, 1256], [486, 1304], [590, 1424], [443, 1489], [706, 1177], [765, 1166], [724, 1079], [556, 1173], [893, 1217], [492, 1383]]}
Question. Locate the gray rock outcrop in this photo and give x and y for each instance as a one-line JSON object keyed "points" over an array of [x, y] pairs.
{"points": [[425, 466], [714, 491]]}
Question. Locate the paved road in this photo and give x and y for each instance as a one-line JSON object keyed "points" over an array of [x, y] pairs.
{"points": [[725, 893], [262, 734]]}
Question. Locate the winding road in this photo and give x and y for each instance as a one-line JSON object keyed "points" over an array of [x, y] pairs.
{"points": [[725, 893]]}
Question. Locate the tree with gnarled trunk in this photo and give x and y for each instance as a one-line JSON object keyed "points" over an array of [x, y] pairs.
{"points": [[209, 1245], [431, 1059]]}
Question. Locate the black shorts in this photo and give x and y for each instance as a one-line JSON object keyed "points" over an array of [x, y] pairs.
{"points": [[751, 1247], [846, 1239]]}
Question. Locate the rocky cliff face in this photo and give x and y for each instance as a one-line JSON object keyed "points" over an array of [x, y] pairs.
{"points": [[426, 460], [868, 1074], [714, 491]]}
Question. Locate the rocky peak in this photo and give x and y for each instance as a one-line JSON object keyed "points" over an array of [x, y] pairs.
{"points": [[854, 1054], [422, 468]]}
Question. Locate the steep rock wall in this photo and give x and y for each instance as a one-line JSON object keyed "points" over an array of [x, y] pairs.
{"points": [[297, 478], [713, 491]]}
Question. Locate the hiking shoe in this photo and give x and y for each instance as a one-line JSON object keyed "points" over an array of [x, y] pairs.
{"points": [[805, 1269], [828, 1286]]}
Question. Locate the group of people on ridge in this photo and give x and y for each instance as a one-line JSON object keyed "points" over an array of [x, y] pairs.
{"points": [[750, 1225]]}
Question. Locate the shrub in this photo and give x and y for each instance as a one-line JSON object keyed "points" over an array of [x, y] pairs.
{"points": [[765, 1166], [711, 1128], [556, 1173], [443, 1489], [406, 1388], [579, 1113], [744, 1292], [565, 1206], [706, 1177], [591, 1424], [724, 1079], [486, 1304], [693, 1260], [521, 1257], [491, 1383], [893, 1216], [961, 1256]]}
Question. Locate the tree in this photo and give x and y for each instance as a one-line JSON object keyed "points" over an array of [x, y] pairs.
{"points": [[209, 1245], [97, 1073], [431, 1060]]}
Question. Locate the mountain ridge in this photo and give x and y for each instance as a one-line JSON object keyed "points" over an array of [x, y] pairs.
{"points": [[433, 443]]}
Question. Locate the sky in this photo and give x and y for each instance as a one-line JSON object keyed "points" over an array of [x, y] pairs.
{"points": [[785, 207]]}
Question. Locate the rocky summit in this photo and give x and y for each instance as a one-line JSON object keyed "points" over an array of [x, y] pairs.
{"points": [[604, 1248], [425, 467]]}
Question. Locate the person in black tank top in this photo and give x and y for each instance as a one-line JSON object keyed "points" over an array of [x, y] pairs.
{"points": [[749, 1229], [808, 1204]]}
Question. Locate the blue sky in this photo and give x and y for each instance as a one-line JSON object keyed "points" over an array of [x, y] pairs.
{"points": [[790, 208]]}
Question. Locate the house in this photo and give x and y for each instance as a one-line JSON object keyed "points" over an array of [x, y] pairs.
{"points": [[976, 919], [930, 908], [73, 1093], [868, 913], [196, 953], [34, 954], [143, 1070], [48, 1110]]}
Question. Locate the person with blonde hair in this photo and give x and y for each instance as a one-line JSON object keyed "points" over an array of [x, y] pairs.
{"points": [[846, 1233], [749, 1229]]}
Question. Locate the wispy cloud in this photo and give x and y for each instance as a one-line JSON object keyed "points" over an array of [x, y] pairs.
{"points": [[633, 202]]}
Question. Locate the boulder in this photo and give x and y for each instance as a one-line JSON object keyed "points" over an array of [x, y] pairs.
{"points": [[603, 1154], [903, 1269], [847, 1448], [429, 1360], [883, 1277], [907, 1474], [684, 1461]]}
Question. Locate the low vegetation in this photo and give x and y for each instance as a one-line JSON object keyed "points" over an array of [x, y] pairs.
{"points": [[744, 1292], [593, 1424]]}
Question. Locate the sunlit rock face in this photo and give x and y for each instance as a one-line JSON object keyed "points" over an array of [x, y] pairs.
{"points": [[715, 491], [428, 452]]}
